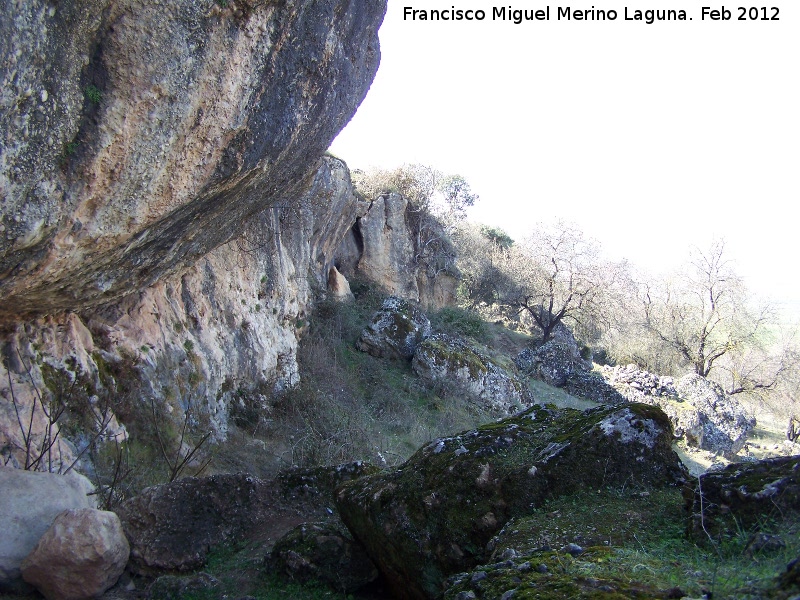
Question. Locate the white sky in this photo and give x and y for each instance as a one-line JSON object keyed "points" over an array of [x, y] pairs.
{"points": [[652, 138]]}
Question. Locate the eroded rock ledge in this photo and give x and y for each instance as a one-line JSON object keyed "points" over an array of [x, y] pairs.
{"points": [[138, 136]]}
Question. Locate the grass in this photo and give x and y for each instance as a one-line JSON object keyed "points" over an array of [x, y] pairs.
{"points": [[639, 539], [239, 571]]}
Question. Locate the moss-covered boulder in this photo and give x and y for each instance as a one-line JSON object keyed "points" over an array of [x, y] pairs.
{"points": [[744, 496], [395, 330], [323, 553], [447, 360], [551, 576], [434, 515]]}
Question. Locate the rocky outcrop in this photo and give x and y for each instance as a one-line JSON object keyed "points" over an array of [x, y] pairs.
{"points": [[140, 137], [555, 361], [434, 515], [29, 502], [79, 557], [322, 553], [700, 410], [396, 330], [724, 423], [637, 384], [384, 246], [224, 329], [743, 496], [450, 361]]}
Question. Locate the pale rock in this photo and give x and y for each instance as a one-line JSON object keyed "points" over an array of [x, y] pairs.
{"points": [[338, 286], [29, 502], [81, 556]]}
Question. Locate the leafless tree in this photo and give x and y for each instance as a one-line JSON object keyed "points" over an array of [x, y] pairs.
{"points": [[705, 314]]}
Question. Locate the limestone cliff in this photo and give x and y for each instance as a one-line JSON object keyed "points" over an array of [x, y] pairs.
{"points": [[226, 327], [137, 136]]}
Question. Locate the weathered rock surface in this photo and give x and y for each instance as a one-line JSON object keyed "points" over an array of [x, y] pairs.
{"points": [[636, 384], [396, 330], [323, 553], [503, 580], [175, 587], [445, 359], [742, 495], [141, 137], [433, 516], [553, 362], [724, 425], [235, 316], [384, 246], [29, 502], [171, 527], [700, 411], [80, 556]]}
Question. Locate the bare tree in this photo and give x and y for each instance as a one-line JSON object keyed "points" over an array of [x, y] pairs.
{"points": [[704, 315], [556, 275]]}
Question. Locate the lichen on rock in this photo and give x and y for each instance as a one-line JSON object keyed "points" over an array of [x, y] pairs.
{"points": [[435, 514]]}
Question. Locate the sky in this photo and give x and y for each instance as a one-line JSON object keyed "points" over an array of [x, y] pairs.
{"points": [[653, 138]]}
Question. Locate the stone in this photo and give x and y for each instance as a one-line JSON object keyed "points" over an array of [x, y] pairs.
{"points": [[700, 411], [554, 361], [29, 502], [80, 556], [743, 495], [172, 526], [323, 553], [723, 423], [434, 515], [338, 286], [179, 157], [447, 360], [395, 331]]}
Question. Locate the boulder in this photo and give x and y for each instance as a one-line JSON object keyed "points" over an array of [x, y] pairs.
{"points": [[445, 359], [395, 331], [721, 424], [338, 286], [742, 496], [171, 527], [638, 385], [81, 556], [323, 553], [433, 516], [29, 502], [554, 361]]}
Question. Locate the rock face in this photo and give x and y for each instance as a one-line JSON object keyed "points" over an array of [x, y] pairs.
{"points": [[742, 495], [444, 359], [396, 330], [323, 553], [383, 246], [81, 556], [433, 516], [141, 137], [29, 502]]}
